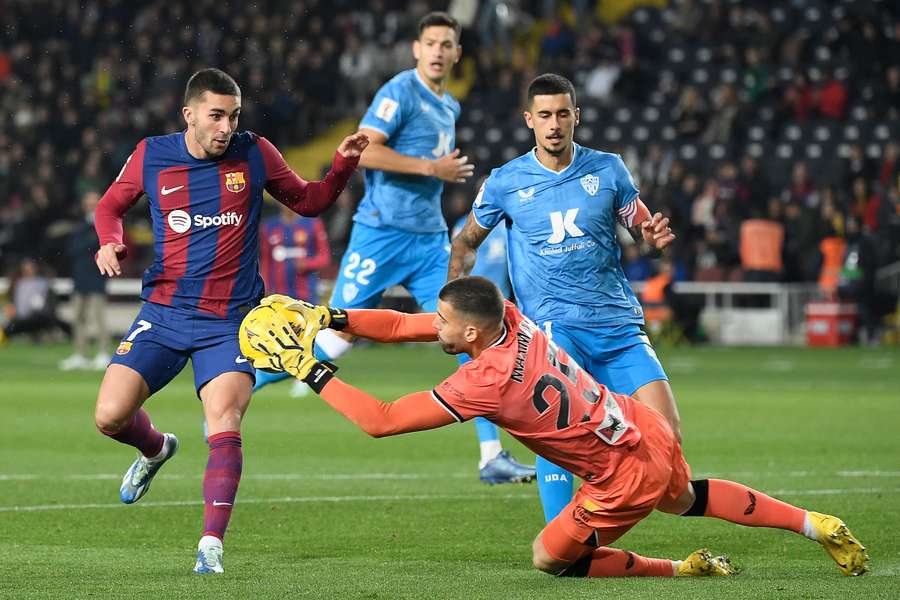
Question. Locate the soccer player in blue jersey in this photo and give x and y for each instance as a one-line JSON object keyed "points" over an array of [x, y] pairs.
{"points": [[205, 187], [561, 203], [399, 234]]}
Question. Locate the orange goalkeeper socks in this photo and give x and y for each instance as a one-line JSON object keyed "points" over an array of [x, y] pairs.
{"points": [[739, 504]]}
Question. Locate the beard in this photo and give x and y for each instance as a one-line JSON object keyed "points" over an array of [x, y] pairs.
{"points": [[448, 348]]}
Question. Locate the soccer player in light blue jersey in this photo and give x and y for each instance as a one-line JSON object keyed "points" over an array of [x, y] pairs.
{"points": [[399, 234], [561, 203]]}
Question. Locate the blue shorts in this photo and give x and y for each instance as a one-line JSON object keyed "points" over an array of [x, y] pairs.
{"points": [[619, 357], [162, 338], [380, 257]]}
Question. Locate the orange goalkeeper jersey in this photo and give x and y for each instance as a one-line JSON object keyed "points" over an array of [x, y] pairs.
{"points": [[531, 388]]}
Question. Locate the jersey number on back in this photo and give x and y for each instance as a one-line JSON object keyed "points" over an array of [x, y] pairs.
{"points": [[550, 381]]}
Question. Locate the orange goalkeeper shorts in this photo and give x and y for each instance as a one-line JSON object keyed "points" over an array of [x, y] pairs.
{"points": [[652, 472]]}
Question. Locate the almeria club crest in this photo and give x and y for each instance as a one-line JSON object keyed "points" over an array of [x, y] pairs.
{"points": [[234, 182], [590, 183]]}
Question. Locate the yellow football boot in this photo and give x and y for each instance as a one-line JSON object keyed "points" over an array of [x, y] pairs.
{"points": [[840, 544], [703, 564]]}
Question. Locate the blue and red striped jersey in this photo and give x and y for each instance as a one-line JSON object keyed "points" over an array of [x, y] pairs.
{"points": [[291, 254], [205, 216]]}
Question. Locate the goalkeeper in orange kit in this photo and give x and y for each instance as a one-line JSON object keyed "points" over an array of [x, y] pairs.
{"points": [[625, 451]]}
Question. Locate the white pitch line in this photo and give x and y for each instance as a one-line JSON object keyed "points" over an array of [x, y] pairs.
{"points": [[281, 500], [391, 498], [259, 476], [425, 476]]}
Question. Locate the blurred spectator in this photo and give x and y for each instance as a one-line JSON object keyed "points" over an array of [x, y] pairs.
{"points": [[690, 113], [856, 166], [887, 96], [756, 75], [762, 241], [857, 281], [831, 98], [33, 311], [753, 181], [725, 112], [88, 292]]}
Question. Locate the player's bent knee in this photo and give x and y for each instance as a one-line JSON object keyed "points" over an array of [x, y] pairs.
{"points": [[109, 419], [541, 559]]}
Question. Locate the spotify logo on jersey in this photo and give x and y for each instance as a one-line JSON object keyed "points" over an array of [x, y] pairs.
{"points": [[179, 221]]}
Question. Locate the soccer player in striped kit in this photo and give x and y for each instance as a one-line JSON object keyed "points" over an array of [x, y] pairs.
{"points": [[293, 249], [205, 187]]}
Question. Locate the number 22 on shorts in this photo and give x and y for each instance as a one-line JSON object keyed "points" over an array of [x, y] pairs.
{"points": [[366, 267]]}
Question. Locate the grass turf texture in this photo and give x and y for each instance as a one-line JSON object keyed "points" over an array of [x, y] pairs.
{"points": [[325, 512]]}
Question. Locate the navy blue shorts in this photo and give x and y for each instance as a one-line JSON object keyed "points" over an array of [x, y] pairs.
{"points": [[162, 338]]}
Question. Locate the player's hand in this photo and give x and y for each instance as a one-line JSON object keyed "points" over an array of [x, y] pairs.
{"points": [[452, 167], [108, 258], [656, 231], [270, 342], [353, 145], [324, 316]]}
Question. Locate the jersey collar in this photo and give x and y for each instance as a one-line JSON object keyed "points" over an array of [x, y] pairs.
{"points": [[428, 89], [500, 339], [575, 148]]}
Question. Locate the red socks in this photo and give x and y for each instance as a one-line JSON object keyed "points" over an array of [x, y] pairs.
{"points": [[141, 434], [220, 481]]}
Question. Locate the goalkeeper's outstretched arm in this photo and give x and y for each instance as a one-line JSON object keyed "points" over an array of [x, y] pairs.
{"points": [[381, 325], [414, 412]]}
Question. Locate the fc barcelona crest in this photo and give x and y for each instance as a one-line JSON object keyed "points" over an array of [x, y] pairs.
{"points": [[234, 182], [590, 183]]}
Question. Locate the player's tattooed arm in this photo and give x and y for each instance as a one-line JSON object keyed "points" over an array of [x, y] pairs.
{"points": [[464, 247]]}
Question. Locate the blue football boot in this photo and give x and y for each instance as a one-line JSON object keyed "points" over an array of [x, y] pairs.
{"points": [[139, 475], [503, 468]]}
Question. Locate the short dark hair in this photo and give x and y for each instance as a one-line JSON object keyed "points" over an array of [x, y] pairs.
{"points": [[549, 84], [439, 19], [210, 80], [476, 296]]}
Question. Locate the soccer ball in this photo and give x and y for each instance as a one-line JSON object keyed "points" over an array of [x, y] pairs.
{"points": [[253, 334]]}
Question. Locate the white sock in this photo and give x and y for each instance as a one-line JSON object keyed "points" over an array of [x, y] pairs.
{"points": [[209, 540], [333, 345], [808, 529], [675, 565], [489, 450]]}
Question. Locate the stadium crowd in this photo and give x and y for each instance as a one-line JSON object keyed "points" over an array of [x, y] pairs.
{"points": [[727, 112]]}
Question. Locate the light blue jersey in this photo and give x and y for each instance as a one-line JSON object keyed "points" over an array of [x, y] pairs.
{"points": [[565, 261], [417, 123], [491, 261]]}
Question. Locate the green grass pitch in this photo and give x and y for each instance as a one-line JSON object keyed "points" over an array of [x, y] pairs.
{"points": [[326, 512]]}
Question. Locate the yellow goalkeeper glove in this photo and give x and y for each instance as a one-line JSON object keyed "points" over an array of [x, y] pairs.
{"points": [[324, 316], [269, 341]]}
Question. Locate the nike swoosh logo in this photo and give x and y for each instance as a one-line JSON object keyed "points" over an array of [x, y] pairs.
{"points": [[166, 191], [217, 503], [240, 360]]}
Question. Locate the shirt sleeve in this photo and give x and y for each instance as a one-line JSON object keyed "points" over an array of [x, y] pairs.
{"points": [[119, 197], [386, 113], [468, 393], [487, 207], [627, 203], [307, 198]]}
